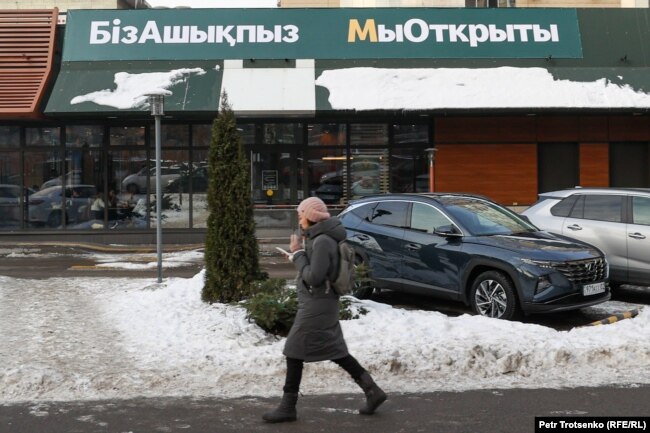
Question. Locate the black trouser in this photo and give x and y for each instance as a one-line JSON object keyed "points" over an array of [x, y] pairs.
{"points": [[294, 371]]}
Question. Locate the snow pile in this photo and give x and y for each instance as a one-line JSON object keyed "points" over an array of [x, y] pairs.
{"points": [[93, 338]]}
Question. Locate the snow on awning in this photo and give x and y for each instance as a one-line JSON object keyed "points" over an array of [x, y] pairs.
{"points": [[366, 88], [121, 87], [302, 88]]}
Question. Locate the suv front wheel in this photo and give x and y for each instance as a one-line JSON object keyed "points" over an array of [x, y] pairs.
{"points": [[493, 295]]}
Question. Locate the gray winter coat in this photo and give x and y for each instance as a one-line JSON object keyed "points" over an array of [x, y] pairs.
{"points": [[316, 334]]}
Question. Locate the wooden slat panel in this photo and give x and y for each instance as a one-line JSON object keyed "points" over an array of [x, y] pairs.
{"points": [[632, 128], [594, 164], [484, 129], [507, 173], [26, 54], [556, 129]]}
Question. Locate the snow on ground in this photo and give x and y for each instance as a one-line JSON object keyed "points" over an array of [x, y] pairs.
{"points": [[95, 338]]}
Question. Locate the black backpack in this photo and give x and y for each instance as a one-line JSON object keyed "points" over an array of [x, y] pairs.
{"points": [[343, 281]]}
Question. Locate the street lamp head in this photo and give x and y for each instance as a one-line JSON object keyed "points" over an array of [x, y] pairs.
{"points": [[157, 102], [431, 153]]}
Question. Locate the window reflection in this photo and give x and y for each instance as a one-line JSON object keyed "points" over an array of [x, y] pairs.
{"points": [[84, 136], [175, 183], [42, 136], [368, 172], [11, 194], [199, 186], [9, 136], [125, 205], [328, 134], [45, 205], [272, 176], [325, 174], [127, 136], [409, 170]]}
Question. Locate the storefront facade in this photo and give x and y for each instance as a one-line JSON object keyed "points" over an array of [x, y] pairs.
{"points": [[334, 103]]}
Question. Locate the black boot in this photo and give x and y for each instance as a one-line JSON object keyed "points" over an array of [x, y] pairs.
{"points": [[374, 394], [286, 411]]}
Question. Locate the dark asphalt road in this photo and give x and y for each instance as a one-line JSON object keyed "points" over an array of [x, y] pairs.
{"points": [[490, 411]]}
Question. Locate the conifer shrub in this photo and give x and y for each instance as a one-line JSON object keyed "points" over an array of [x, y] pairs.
{"points": [[231, 250], [274, 306]]}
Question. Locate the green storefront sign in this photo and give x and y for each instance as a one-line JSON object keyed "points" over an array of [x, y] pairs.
{"points": [[384, 33]]}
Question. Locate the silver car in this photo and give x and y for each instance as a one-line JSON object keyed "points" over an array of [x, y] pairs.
{"points": [[616, 220], [46, 205]]}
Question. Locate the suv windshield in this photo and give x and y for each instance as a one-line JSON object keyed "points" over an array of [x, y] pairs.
{"points": [[482, 218]]}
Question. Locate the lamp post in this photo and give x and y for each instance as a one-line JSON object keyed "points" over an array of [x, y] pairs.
{"points": [[431, 154], [157, 101]]}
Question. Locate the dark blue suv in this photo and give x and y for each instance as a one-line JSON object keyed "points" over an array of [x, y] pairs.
{"points": [[470, 249]]}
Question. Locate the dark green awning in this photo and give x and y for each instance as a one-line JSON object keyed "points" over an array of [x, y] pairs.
{"points": [[120, 87]]}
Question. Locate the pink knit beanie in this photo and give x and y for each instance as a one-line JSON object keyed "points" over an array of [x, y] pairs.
{"points": [[314, 209]]}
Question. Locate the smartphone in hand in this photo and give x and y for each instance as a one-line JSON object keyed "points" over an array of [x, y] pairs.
{"points": [[285, 252]]}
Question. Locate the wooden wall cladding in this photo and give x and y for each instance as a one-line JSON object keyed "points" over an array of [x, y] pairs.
{"points": [[557, 129], [26, 55], [594, 164], [506, 173], [629, 128], [484, 130]]}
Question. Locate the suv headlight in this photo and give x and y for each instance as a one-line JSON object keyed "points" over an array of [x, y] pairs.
{"points": [[540, 263]]}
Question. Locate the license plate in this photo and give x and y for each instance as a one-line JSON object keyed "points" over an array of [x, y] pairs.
{"points": [[592, 289]]}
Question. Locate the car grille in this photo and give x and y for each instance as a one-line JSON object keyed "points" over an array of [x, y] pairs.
{"points": [[583, 271]]}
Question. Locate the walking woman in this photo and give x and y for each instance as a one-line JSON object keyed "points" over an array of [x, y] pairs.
{"points": [[316, 334]]}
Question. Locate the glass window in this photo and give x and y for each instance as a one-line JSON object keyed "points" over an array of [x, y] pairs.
{"points": [[328, 134], [84, 136], [201, 135], [563, 208], [174, 176], [368, 134], [409, 135], [272, 176], [484, 218], [641, 210], [391, 213], [247, 133], [45, 207], [171, 136], [199, 186], [9, 136], [84, 183], [127, 136], [603, 207], [125, 199], [10, 191], [409, 170], [368, 172], [282, 133], [426, 219], [42, 136], [324, 174], [578, 210]]}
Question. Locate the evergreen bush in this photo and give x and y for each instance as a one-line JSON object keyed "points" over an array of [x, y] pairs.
{"points": [[231, 251], [274, 307]]}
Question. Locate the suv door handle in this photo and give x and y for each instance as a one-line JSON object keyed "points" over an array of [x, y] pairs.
{"points": [[413, 247], [636, 235], [574, 227], [362, 237]]}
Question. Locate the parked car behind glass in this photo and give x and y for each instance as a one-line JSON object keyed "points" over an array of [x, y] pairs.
{"points": [[137, 183], [470, 249], [616, 220], [46, 205]]}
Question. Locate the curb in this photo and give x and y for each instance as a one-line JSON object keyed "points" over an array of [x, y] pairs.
{"points": [[265, 243], [615, 318], [107, 248]]}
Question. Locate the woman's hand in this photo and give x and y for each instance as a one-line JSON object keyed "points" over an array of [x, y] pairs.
{"points": [[295, 243]]}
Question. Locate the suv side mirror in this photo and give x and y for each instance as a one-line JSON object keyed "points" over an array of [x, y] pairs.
{"points": [[448, 231]]}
